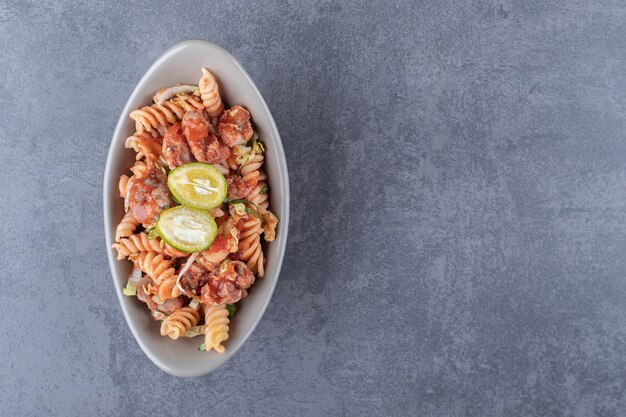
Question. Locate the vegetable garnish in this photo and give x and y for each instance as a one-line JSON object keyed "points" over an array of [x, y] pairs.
{"points": [[202, 347], [241, 208], [159, 315], [264, 190], [186, 229], [167, 93], [232, 309], [198, 185], [130, 290], [135, 276], [182, 272], [195, 331], [242, 154], [152, 233], [257, 147]]}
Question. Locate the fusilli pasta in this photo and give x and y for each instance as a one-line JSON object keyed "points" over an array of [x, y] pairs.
{"points": [[209, 91], [177, 323], [122, 185], [161, 271], [157, 117], [139, 169], [250, 170], [259, 195], [250, 250], [187, 102], [127, 227], [140, 242], [216, 326], [145, 144]]}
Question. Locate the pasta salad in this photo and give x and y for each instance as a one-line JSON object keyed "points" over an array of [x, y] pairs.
{"points": [[196, 210]]}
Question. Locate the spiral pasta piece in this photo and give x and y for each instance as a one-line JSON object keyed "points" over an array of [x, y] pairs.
{"points": [[188, 102], [209, 91], [259, 195], [250, 250], [127, 227], [177, 323], [156, 116], [160, 270], [250, 170], [139, 169], [270, 221], [222, 167], [140, 242], [167, 288], [231, 162], [122, 185], [160, 116], [216, 326], [153, 264], [145, 144]]}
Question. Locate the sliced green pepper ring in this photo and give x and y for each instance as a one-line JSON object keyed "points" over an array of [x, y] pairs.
{"points": [[187, 229], [198, 185]]}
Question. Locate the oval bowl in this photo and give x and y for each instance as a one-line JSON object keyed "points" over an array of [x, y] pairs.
{"points": [[181, 64]]}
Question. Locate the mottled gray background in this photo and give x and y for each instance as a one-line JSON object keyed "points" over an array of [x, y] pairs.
{"points": [[458, 176]]}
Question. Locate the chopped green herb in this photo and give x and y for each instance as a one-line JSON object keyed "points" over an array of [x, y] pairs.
{"points": [[239, 200], [231, 309], [202, 347], [264, 190]]}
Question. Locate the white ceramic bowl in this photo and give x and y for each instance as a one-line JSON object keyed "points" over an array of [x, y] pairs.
{"points": [[181, 64]]}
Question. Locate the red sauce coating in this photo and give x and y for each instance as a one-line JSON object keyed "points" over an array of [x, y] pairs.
{"points": [[226, 284], [234, 126], [175, 150], [148, 196], [204, 146], [237, 187]]}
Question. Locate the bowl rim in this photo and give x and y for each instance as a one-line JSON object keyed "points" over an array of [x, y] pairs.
{"points": [[283, 178]]}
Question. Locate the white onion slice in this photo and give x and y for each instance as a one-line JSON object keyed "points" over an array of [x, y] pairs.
{"points": [[135, 276], [184, 269], [167, 93]]}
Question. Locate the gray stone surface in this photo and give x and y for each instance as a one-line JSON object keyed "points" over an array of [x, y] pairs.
{"points": [[458, 224]]}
